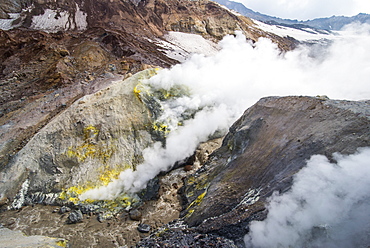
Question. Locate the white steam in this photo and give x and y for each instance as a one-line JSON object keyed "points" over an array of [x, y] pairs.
{"points": [[327, 206], [180, 144], [224, 85]]}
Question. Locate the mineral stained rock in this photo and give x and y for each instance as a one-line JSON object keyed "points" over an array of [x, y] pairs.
{"points": [[58, 51], [261, 153], [92, 141]]}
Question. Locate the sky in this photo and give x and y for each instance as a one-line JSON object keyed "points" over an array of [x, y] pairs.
{"points": [[308, 9]]}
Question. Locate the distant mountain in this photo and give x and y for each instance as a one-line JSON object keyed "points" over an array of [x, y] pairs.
{"points": [[329, 23], [337, 22]]}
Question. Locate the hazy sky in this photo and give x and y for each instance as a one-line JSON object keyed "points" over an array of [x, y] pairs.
{"points": [[308, 9]]}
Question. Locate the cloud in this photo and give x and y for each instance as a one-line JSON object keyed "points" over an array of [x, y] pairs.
{"points": [[327, 206], [308, 9], [222, 86]]}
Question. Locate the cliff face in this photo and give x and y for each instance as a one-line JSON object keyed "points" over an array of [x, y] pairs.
{"points": [[138, 18], [93, 140], [262, 151], [12, 6]]}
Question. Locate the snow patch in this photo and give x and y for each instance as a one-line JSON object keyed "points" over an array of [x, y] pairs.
{"points": [[304, 34], [6, 24], [55, 20], [21, 196], [180, 46]]}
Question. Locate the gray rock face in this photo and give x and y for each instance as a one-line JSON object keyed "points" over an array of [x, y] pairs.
{"points": [[263, 150], [13, 6], [92, 141], [11, 238]]}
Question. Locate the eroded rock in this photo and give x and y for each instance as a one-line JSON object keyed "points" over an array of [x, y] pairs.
{"points": [[262, 151], [91, 141]]}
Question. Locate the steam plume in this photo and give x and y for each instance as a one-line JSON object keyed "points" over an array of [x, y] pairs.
{"points": [[328, 206], [224, 85]]}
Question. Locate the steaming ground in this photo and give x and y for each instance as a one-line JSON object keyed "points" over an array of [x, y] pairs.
{"points": [[224, 85], [328, 206]]}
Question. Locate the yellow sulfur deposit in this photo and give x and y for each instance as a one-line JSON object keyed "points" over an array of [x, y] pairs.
{"points": [[160, 127], [198, 200], [106, 176], [90, 148], [90, 132], [62, 243]]}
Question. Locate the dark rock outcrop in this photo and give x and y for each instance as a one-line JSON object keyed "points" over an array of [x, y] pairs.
{"points": [[263, 150], [182, 237]]}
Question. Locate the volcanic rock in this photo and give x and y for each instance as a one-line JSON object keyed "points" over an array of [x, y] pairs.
{"points": [[262, 151], [58, 51], [64, 209], [135, 215], [144, 228], [182, 237], [67, 117], [88, 142], [75, 217]]}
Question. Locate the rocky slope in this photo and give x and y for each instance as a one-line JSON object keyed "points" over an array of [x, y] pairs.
{"points": [[11, 238], [261, 153], [54, 142], [72, 48], [74, 114], [98, 135]]}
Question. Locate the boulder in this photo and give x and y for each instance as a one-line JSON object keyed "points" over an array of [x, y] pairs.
{"points": [[135, 214], [262, 151], [143, 228], [75, 217]]}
